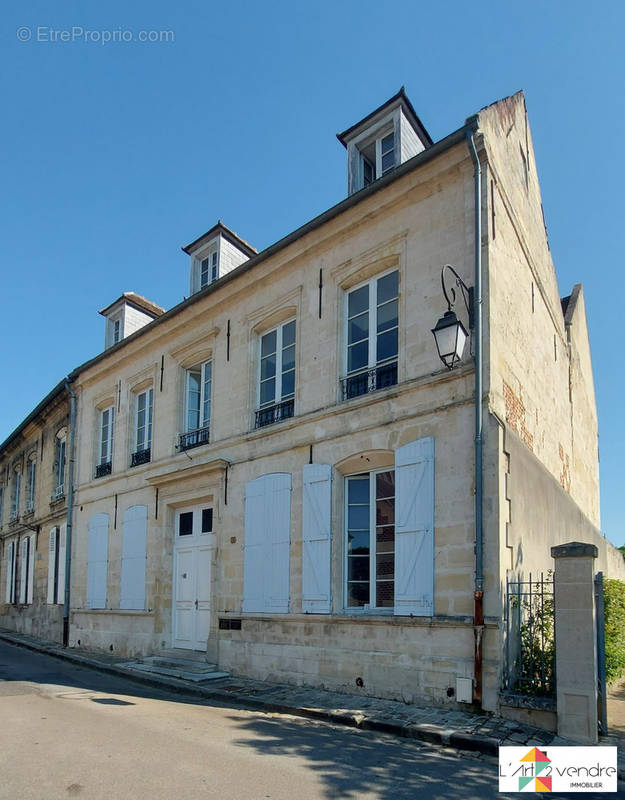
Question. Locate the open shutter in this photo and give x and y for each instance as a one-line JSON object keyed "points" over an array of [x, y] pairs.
{"points": [[414, 528], [60, 582], [316, 516], [32, 547], [10, 556], [97, 560], [51, 566], [267, 544], [23, 569], [134, 535]]}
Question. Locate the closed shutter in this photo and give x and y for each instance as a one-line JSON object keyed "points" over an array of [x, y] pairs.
{"points": [[414, 528], [267, 544], [97, 560], [10, 556], [51, 567], [134, 534], [23, 570], [60, 582], [316, 517], [32, 554]]}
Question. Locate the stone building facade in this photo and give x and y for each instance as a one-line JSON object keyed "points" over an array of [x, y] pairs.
{"points": [[281, 472]]}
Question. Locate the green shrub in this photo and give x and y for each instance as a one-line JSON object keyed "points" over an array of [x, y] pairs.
{"points": [[614, 599]]}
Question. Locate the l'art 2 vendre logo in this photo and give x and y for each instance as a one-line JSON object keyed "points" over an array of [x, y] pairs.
{"points": [[558, 769]]}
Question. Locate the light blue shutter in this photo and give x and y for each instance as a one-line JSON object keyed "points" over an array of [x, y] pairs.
{"points": [[316, 522], [267, 544], [51, 565], [31, 567], [60, 584], [10, 566], [23, 569], [414, 528], [135, 528], [97, 560]]}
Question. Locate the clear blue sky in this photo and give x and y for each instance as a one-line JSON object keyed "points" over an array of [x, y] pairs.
{"points": [[114, 155]]}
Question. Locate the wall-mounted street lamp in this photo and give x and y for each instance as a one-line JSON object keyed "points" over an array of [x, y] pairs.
{"points": [[450, 334]]}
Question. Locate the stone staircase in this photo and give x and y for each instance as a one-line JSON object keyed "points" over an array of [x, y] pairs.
{"points": [[185, 665]]}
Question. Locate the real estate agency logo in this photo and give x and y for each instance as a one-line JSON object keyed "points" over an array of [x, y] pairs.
{"points": [[570, 769]]}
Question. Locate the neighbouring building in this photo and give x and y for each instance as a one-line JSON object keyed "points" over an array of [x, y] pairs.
{"points": [[279, 470]]}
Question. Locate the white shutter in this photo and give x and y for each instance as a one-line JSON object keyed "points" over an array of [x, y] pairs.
{"points": [[316, 517], [97, 560], [51, 566], [134, 534], [10, 556], [23, 569], [32, 554], [267, 544], [60, 581], [414, 528]]}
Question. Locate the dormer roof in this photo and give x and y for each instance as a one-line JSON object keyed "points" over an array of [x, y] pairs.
{"points": [[229, 235], [397, 100], [135, 300]]}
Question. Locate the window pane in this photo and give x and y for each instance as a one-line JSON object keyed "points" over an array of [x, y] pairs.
{"points": [[358, 328], [288, 334], [388, 287], [387, 345], [387, 316], [207, 520], [288, 358], [268, 343], [358, 518], [358, 301], [358, 568], [358, 490], [388, 142], [385, 594], [385, 484], [385, 539], [357, 594], [288, 384], [185, 524], [268, 367], [206, 412], [385, 512], [357, 356], [388, 161], [267, 391], [358, 543], [385, 565]]}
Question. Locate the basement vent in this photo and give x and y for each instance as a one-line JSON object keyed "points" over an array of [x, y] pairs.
{"points": [[229, 624]]}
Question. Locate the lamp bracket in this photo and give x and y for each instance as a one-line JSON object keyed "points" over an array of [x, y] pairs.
{"points": [[466, 291]]}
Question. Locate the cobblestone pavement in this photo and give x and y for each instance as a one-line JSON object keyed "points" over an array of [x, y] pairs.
{"points": [[451, 728]]}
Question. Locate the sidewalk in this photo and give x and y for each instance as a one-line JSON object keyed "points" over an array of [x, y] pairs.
{"points": [[456, 729]]}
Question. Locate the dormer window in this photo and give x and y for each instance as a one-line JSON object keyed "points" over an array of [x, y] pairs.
{"points": [[126, 315], [209, 269], [215, 254], [382, 141]]}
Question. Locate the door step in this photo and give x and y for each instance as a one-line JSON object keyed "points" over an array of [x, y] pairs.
{"points": [[181, 668]]}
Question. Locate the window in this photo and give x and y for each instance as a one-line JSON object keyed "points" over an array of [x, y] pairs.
{"points": [[27, 556], [371, 319], [30, 497], [11, 562], [105, 445], [197, 406], [143, 437], [370, 540], [1, 504], [277, 375], [15, 500], [59, 465], [56, 564], [209, 271], [377, 157], [117, 325]]}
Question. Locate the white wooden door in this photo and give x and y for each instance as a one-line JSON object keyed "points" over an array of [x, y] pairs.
{"points": [[193, 551]]}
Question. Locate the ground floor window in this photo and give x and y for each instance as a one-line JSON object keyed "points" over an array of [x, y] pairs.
{"points": [[370, 540]]}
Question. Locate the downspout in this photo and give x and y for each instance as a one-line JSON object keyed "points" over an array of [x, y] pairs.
{"points": [[478, 609], [70, 509]]}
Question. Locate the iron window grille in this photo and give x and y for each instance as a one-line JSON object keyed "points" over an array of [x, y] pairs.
{"points": [[103, 469], [58, 493], [195, 438], [371, 380], [275, 413], [141, 457]]}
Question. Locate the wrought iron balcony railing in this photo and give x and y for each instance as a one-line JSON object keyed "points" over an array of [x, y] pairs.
{"points": [[194, 438], [103, 469], [275, 413], [370, 380], [141, 457], [58, 493]]}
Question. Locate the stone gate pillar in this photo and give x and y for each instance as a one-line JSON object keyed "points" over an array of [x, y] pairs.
{"points": [[576, 641]]}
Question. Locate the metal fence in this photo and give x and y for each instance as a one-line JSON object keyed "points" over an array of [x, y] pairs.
{"points": [[530, 636]]}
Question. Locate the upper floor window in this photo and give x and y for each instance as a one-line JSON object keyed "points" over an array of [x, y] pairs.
{"points": [[277, 375], [30, 497], [209, 270], [370, 540], [143, 432], [198, 386], [105, 443], [15, 499], [377, 157], [59, 464], [371, 320], [1, 504]]}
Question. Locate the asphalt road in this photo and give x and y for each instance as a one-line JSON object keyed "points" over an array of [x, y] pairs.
{"points": [[69, 732]]}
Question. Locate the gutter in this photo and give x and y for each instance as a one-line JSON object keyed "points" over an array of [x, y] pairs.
{"points": [[478, 595], [70, 509]]}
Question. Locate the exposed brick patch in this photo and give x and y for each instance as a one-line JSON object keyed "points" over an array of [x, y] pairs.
{"points": [[515, 415]]}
